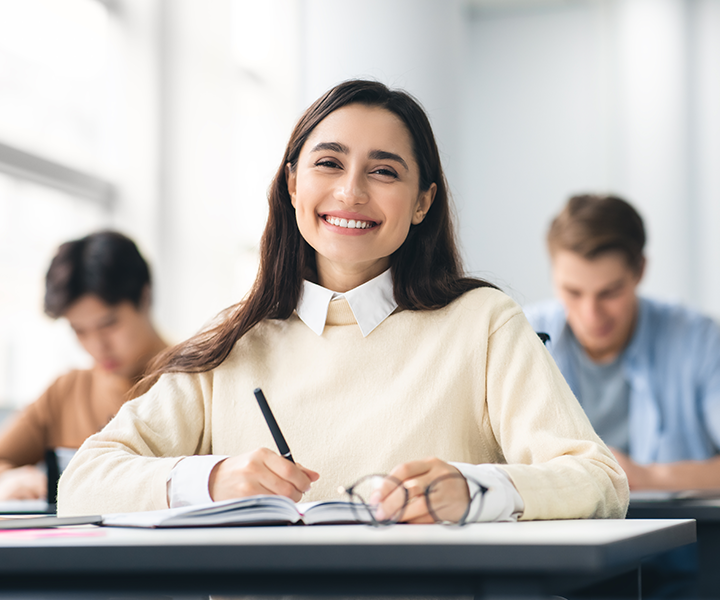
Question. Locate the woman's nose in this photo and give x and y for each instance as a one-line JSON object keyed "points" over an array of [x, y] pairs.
{"points": [[351, 189]]}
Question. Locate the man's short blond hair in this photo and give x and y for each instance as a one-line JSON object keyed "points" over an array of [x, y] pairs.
{"points": [[593, 224]]}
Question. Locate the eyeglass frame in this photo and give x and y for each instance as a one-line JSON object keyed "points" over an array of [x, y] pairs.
{"points": [[481, 490]]}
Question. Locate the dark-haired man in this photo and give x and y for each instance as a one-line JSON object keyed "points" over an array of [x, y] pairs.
{"points": [[101, 285], [647, 373]]}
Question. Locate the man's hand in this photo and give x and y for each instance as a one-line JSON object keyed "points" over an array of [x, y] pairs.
{"points": [[23, 483], [640, 477], [681, 475]]}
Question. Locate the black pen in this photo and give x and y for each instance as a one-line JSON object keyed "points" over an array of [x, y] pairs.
{"points": [[272, 424]]}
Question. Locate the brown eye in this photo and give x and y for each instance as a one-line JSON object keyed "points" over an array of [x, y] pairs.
{"points": [[386, 172], [327, 163]]}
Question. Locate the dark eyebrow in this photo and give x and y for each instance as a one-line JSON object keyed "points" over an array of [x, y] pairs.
{"points": [[612, 286], [332, 146], [383, 155], [375, 154]]}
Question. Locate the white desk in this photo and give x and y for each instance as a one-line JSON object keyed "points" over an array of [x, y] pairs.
{"points": [[494, 559]]}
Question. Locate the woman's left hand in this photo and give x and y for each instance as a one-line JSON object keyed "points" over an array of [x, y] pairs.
{"points": [[416, 476]]}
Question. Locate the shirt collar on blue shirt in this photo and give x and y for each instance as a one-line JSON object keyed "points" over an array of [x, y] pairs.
{"points": [[371, 303]]}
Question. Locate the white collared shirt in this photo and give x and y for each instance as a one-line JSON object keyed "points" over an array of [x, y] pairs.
{"points": [[371, 303]]}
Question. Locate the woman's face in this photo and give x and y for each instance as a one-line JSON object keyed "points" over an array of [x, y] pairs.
{"points": [[356, 192]]}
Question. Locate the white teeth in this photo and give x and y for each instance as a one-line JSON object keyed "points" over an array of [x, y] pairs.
{"points": [[348, 224]]}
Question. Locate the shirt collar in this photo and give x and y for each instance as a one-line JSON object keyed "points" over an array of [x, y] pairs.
{"points": [[371, 303]]}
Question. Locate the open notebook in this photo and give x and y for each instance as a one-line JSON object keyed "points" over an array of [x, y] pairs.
{"points": [[255, 510]]}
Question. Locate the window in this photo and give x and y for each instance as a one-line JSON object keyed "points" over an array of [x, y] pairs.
{"points": [[265, 40], [53, 74], [53, 144], [34, 220]]}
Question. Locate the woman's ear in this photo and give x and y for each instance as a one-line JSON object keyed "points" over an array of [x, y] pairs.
{"points": [[291, 178], [424, 202]]}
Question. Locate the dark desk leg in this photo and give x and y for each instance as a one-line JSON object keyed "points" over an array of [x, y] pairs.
{"points": [[509, 591], [708, 541], [527, 589], [627, 586]]}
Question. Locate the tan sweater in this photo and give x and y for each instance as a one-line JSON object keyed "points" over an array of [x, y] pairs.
{"points": [[74, 407], [470, 383]]}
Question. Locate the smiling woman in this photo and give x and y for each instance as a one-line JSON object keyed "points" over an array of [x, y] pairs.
{"points": [[375, 351], [351, 180]]}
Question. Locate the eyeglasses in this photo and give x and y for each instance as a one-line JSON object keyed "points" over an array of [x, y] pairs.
{"points": [[451, 499]]}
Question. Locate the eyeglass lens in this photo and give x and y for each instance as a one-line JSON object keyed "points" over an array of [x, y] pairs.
{"points": [[449, 499], [379, 499]]}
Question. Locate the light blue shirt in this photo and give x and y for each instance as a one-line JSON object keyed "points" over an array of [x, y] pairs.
{"points": [[672, 365], [604, 394]]}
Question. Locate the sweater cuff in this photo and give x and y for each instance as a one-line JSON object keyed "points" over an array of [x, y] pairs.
{"points": [[502, 501], [188, 483]]}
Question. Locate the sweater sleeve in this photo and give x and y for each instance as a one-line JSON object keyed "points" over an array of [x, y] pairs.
{"points": [[125, 467], [555, 459], [24, 439]]}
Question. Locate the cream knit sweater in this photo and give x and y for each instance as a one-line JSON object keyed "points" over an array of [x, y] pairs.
{"points": [[468, 383]]}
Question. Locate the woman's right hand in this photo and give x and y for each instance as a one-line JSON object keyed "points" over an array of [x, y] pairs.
{"points": [[261, 471]]}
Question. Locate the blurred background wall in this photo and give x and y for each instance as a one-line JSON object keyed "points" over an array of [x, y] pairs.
{"points": [[167, 119]]}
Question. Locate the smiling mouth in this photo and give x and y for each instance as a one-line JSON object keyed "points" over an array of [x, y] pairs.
{"points": [[350, 223]]}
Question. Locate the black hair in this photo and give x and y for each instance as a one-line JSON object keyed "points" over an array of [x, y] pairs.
{"points": [[107, 264]]}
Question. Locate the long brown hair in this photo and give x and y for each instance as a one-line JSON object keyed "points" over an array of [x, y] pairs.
{"points": [[426, 269]]}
